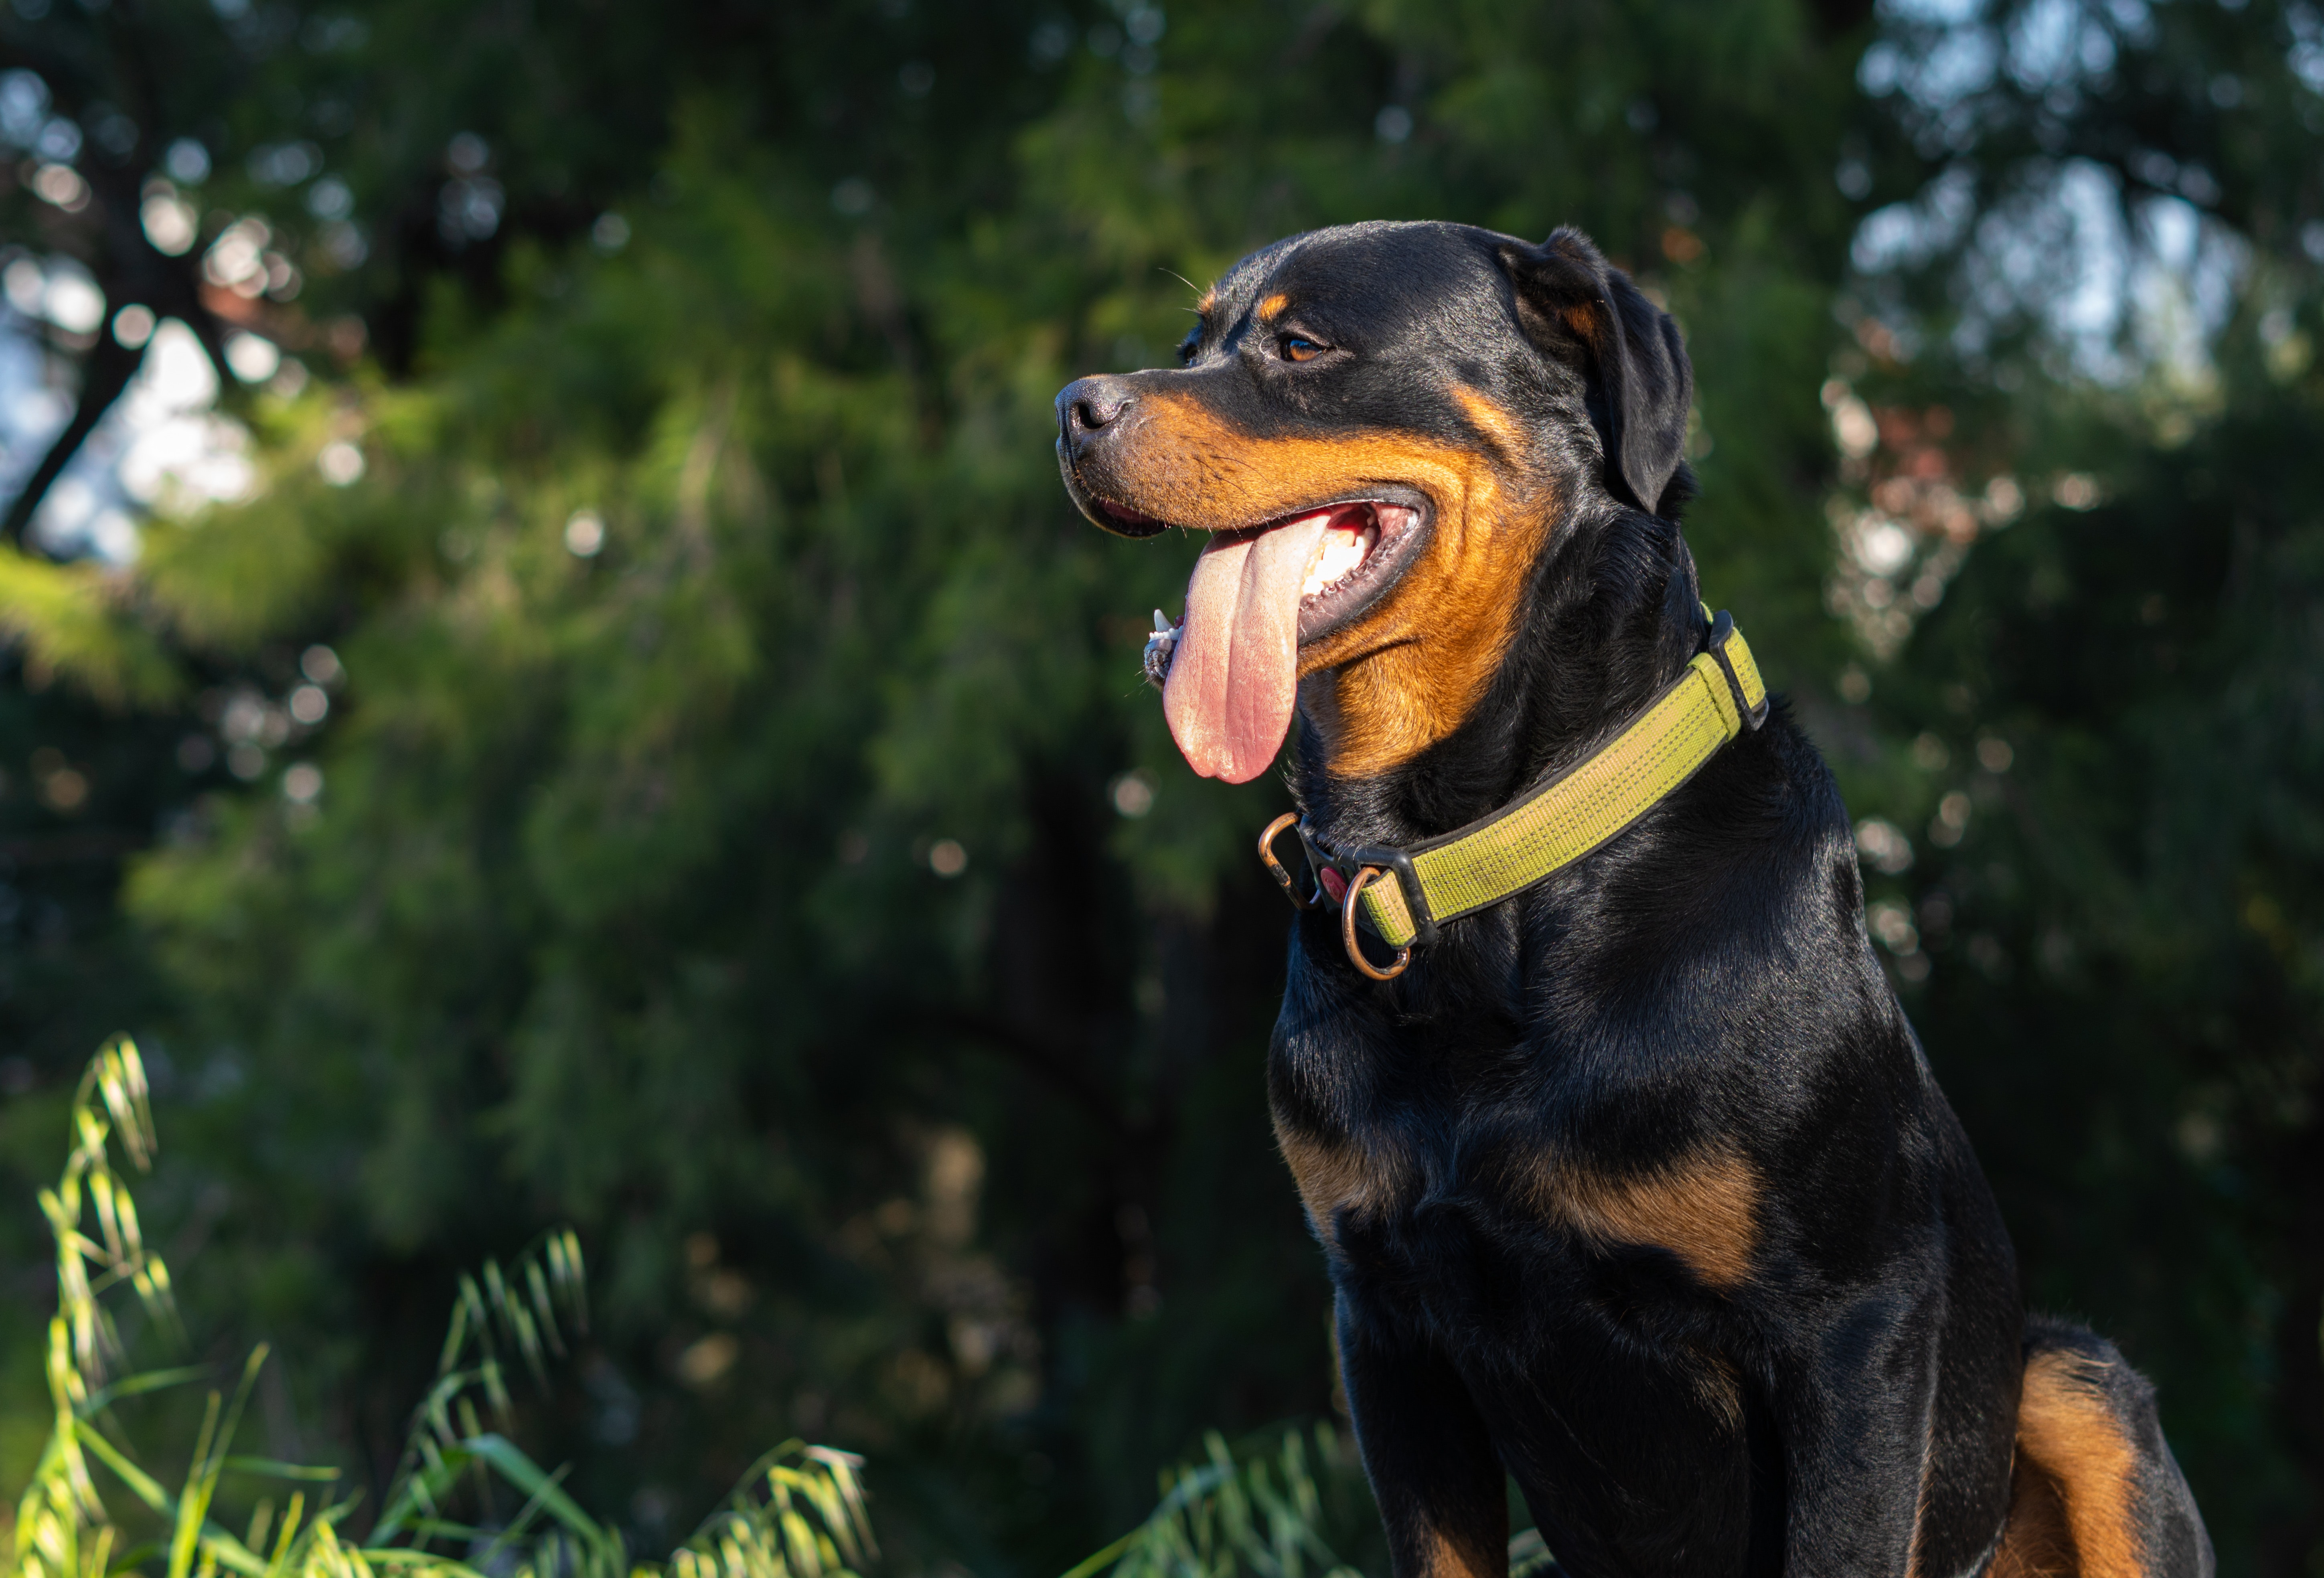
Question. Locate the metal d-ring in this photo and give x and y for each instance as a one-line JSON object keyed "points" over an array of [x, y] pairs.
{"points": [[1274, 868], [1347, 931]]}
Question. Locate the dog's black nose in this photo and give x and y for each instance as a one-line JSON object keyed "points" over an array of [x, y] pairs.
{"points": [[1089, 405]]}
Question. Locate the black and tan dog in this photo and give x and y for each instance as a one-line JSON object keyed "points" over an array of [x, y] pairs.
{"points": [[1636, 1185]]}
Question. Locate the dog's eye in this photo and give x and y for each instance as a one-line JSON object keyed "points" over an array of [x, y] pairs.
{"points": [[1298, 347]]}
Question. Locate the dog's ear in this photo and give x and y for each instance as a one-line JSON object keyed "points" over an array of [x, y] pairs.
{"points": [[1572, 301]]}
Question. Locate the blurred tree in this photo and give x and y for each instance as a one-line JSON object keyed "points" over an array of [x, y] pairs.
{"points": [[697, 781]]}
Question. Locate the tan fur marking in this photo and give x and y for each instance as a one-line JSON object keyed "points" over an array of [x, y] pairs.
{"points": [[1719, 1386], [1210, 299], [1443, 1557], [2037, 1542], [1702, 1208], [1395, 682], [1329, 1177], [1273, 305], [2070, 1511], [1500, 427]]}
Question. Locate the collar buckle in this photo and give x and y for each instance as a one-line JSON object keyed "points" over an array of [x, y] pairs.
{"points": [[1354, 871], [1282, 874]]}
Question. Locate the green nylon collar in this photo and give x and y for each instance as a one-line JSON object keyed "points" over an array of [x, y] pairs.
{"points": [[1402, 895]]}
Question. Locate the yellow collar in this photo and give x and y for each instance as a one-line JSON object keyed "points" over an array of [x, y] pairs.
{"points": [[1545, 829]]}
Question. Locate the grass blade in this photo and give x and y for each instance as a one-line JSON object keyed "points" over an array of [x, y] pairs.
{"points": [[142, 1485], [274, 1469]]}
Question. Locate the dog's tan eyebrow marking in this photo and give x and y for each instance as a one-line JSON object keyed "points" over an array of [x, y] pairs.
{"points": [[1210, 299], [1272, 306], [1703, 1208], [1500, 428]]}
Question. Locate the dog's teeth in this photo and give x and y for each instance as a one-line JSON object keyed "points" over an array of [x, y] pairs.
{"points": [[1343, 553], [1162, 621]]}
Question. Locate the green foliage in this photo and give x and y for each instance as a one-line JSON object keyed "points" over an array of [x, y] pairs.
{"points": [[67, 619], [798, 1513], [1253, 1514]]}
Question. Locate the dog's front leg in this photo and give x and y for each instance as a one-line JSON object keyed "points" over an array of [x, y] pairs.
{"points": [[1854, 1420], [1433, 1470]]}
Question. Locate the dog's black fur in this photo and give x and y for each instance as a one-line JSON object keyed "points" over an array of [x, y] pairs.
{"points": [[1637, 1187]]}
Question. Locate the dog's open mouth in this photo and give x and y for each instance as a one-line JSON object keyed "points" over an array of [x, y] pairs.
{"points": [[1365, 545], [1257, 597]]}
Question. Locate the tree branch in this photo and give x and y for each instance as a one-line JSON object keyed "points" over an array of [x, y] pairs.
{"points": [[105, 372], [128, 267]]}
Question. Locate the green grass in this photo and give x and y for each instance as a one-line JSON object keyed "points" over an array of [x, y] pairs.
{"points": [[93, 1508]]}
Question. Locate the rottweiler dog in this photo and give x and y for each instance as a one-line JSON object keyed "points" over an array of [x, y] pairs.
{"points": [[1636, 1187]]}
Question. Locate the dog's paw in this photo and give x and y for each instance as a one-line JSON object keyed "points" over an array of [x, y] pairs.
{"points": [[1159, 646]]}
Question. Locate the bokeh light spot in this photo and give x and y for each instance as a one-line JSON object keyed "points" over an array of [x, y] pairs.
{"points": [[1133, 793], [252, 358], [330, 198], [188, 161], [169, 221], [340, 462], [61, 185], [1882, 843], [132, 326], [584, 534], [71, 300]]}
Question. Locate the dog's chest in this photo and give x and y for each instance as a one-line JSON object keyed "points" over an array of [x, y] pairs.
{"points": [[1458, 1204], [1462, 1155]]}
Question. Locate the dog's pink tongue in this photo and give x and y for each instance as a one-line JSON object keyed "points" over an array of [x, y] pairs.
{"points": [[1232, 677]]}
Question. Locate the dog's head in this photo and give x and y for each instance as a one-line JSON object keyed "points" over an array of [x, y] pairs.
{"points": [[1381, 426]]}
